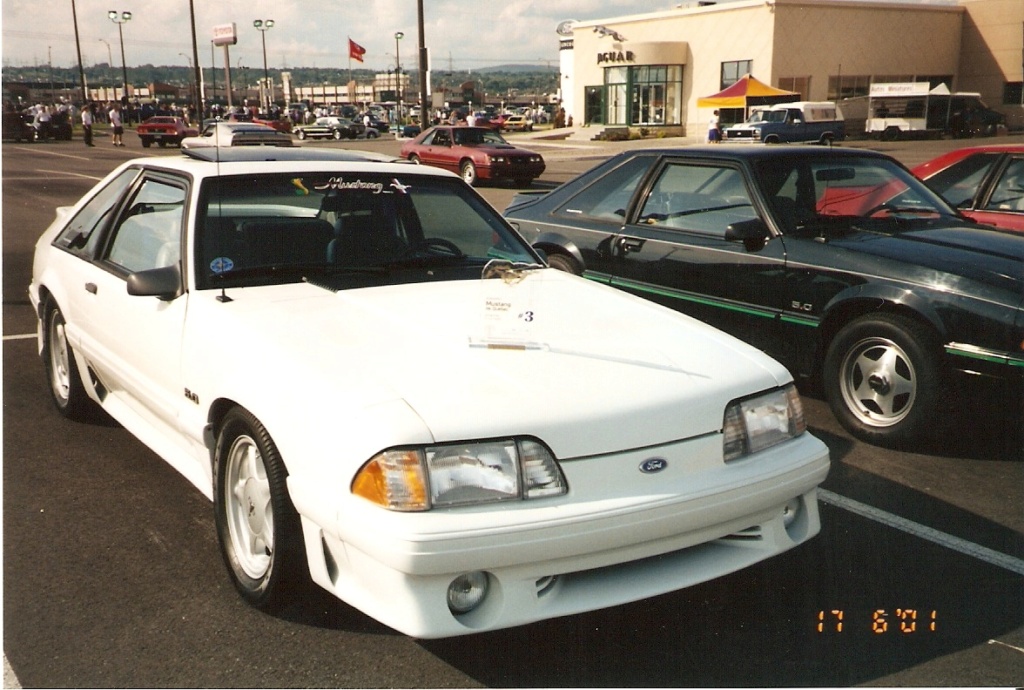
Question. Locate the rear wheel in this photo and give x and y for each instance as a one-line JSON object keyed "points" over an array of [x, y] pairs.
{"points": [[883, 379], [66, 386], [414, 159], [564, 262], [468, 171], [146, 142], [258, 528]]}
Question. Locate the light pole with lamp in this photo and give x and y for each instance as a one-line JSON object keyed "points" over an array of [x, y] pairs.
{"points": [[190, 90], [263, 26], [121, 18], [398, 79]]}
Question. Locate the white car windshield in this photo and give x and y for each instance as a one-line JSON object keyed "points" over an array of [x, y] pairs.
{"points": [[346, 230]]}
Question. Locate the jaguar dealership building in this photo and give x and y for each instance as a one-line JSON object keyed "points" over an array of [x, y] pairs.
{"points": [[650, 70]]}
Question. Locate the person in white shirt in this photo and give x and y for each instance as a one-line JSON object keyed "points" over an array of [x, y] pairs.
{"points": [[87, 120], [116, 124]]}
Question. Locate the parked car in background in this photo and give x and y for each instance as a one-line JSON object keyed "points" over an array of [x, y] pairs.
{"points": [[820, 122], [518, 123], [248, 317], [839, 263], [330, 128], [985, 183], [164, 130], [220, 133], [476, 153], [280, 123], [377, 124], [17, 126]]}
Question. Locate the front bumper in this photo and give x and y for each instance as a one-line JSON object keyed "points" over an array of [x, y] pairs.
{"points": [[591, 549]]}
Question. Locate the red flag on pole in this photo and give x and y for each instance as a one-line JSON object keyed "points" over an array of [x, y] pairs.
{"points": [[355, 51]]}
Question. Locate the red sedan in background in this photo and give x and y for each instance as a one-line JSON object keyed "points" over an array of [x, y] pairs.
{"points": [[985, 183], [164, 130], [475, 153]]}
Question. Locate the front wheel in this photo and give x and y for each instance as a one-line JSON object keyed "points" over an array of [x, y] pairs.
{"points": [[468, 171], [66, 386], [258, 528], [301, 134], [337, 135], [414, 159], [883, 379]]}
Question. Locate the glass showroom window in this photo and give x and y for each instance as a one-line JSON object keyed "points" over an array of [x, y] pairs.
{"points": [[615, 81], [656, 95], [732, 71]]}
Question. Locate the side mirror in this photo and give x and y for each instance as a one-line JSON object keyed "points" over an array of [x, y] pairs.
{"points": [[163, 283], [752, 233]]}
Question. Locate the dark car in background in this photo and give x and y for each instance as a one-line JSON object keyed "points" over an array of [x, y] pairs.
{"points": [[985, 183], [17, 126], [475, 153], [330, 127], [839, 263]]}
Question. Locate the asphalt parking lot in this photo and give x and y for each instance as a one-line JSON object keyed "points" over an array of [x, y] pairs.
{"points": [[112, 576]]}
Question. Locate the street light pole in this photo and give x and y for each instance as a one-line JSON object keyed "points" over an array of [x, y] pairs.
{"points": [[120, 19], [110, 62], [263, 26], [398, 79]]}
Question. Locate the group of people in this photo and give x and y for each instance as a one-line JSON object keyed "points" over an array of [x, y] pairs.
{"points": [[114, 116]]}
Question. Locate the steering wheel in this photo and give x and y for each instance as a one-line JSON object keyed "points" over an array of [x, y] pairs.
{"points": [[441, 243]]}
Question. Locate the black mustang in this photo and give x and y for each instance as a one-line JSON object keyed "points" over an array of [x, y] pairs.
{"points": [[839, 263]]}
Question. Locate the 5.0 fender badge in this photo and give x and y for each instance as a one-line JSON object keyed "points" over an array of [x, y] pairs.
{"points": [[652, 465]]}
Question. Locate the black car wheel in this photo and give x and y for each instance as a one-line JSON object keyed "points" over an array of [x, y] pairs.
{"points": [[258, 528], [564, 262], [336, 134], [883, 378], [146, 142], [414, 159], [66, 386], [301, 134], [468, 171]]}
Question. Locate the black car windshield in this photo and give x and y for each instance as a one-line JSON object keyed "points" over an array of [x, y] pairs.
{"points": [[808, 191], [346, 229]]}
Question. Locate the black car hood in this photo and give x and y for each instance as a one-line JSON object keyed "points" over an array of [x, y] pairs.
{"points": [[991, 257]]}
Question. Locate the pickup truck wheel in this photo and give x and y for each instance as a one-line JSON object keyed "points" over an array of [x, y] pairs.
{"points": [[771, 139], [66, 386], [883, 379], [826, 139], [258, 528]]}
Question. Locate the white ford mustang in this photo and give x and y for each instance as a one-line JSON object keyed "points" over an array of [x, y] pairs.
{"points": [[382, 389]]}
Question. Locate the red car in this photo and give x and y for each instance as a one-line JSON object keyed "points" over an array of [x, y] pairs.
{"points": [[164, 130], [475, 153], [985, 183]]}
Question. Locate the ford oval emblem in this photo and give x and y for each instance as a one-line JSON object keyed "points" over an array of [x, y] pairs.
{"points": [[652, 465]]}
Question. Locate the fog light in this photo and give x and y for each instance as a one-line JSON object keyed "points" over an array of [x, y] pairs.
{"points": [[467, 591], [790, 511]]}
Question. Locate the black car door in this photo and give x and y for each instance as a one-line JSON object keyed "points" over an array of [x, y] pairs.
{"points": [[673, 250]]}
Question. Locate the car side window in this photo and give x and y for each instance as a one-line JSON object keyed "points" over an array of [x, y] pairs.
{"points": [[607, 199], [1008, 193], [699, 198], [958, 183], [80, 235], [148, 234]]}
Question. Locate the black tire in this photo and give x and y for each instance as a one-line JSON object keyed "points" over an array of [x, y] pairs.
{"points": [[336, 134], [163, 143], [883, 379], [372, 134], [564, 262], [258, 528], [468, 171], [771, 139], [523, 182], [301, 134], [146, 143], [65, 382], [826, 139], [414, 159]]}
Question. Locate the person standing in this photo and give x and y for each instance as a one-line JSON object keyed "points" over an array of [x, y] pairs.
{"points": [[714, 129], [87, 120], [116, 124]]}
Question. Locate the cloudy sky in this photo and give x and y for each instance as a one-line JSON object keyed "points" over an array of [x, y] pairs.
{"points": [[468, 34]]}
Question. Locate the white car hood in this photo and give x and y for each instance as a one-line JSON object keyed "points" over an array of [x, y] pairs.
{"points": [[585, 368]]}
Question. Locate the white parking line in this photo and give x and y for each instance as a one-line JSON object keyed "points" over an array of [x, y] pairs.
{"points": [[22, 336], [41, 151], [963, 546], [10, 679], [73, 174]]}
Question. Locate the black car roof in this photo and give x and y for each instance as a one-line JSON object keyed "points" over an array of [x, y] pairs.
{"points": [[752, 151], [249, 154]]}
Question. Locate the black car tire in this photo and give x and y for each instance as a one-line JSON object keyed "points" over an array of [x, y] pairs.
{"points": [[372, 134], [564, 262], [258, 528], [66, 387], [523, 182], [146, 142], [162, 143], [414, 159], [468, 171], [336, 134], [883, 379], [301, 134]]}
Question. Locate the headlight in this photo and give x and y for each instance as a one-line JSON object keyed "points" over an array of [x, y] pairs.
{"points": [[760, 422], [460, 474], [498, 159]]}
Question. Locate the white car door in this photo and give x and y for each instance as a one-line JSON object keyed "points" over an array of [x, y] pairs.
{"points": [[133, 343]]}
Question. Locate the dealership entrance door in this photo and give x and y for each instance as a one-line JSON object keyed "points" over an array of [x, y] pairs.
{"points": [[593, 108]]}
